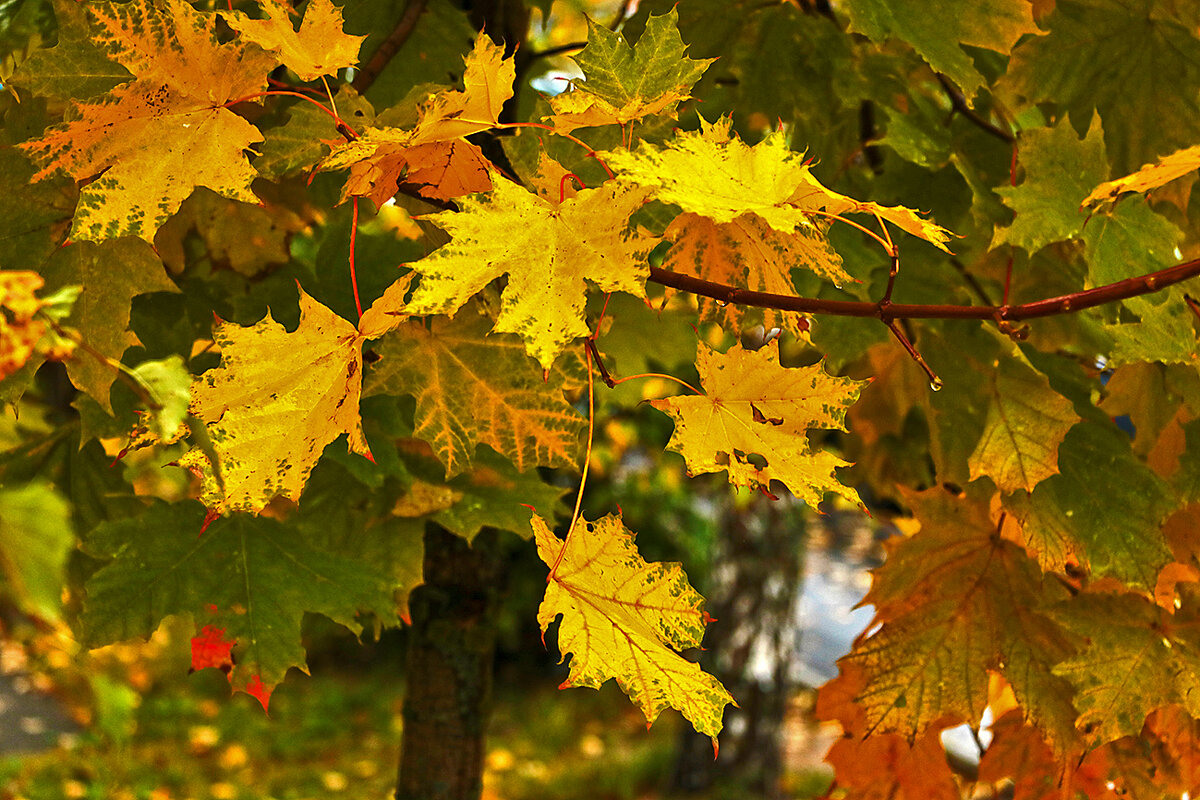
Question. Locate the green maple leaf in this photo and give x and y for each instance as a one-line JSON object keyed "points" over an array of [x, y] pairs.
{"points": [[301, 142], [259, 574], [1026, 423], [474, 389], [35, 541], [34, 220], [1139, 657], [74, 69], [623, 83], [938, 29], [111, 273], [1076, 516], [1136, 62], [1060, 171], [956, 601]]}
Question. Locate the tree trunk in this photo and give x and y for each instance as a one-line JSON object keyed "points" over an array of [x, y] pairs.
{"points": [[753, 592], [449, 684]]}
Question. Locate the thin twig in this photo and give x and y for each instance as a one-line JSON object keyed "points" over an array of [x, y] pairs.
{"points": [[390, 46], [590, 343], [557, 51], [959, 104], [935, 382]]}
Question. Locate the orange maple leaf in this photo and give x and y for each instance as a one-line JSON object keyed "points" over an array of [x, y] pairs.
{"points": [[435, 154], [155, 139]]}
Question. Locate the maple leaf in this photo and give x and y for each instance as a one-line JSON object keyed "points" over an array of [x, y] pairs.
{"points": [[623, 618], [261, 577], [153, 140], [474, 389], [318, 48], [1026, 422], [715, 174], [247, 238], [938, 30], [435, 154], [268, 422], [885, 766], [623, 83], [76, 67], [1150, 176], [755, 409], [1136, 63], [36, 541], [1018, 753], [111, 273], [211, 650], [956, 601], [547, 250], [1072, 516], [748, 253], [34, 218], [1139, 656]]}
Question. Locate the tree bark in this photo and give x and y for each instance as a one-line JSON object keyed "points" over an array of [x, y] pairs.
{"points": [[449, 683], [754, 586]]}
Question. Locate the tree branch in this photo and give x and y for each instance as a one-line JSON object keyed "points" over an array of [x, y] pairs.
{"points": [[391, 45], [959, 104], [1050, 307]]}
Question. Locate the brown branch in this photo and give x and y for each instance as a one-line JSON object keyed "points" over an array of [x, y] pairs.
{"points": [[1050, 307], [959, 104], [557, 51], [391, 45]]}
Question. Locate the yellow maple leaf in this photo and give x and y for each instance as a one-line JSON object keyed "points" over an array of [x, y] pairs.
{"points": [[753, 421], [748, 253], [318, 48], [715, 174], [435, 154], [155, 139], [547, 249], [268, 423], [578, 109], [1150, 176], [623, 618]]}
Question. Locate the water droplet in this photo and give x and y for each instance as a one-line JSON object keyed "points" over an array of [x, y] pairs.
{"points": [[723, 303], [936, 384], [837, 286]]}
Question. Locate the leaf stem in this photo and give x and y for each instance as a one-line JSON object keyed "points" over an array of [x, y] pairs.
{"points": [[341, 123], [124, 373], [565, 135], [587, 460], [353, 271]]}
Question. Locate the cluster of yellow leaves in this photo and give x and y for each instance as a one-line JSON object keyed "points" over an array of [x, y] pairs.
{"points": [[20, 332], [435, 155], [153, 140]]}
